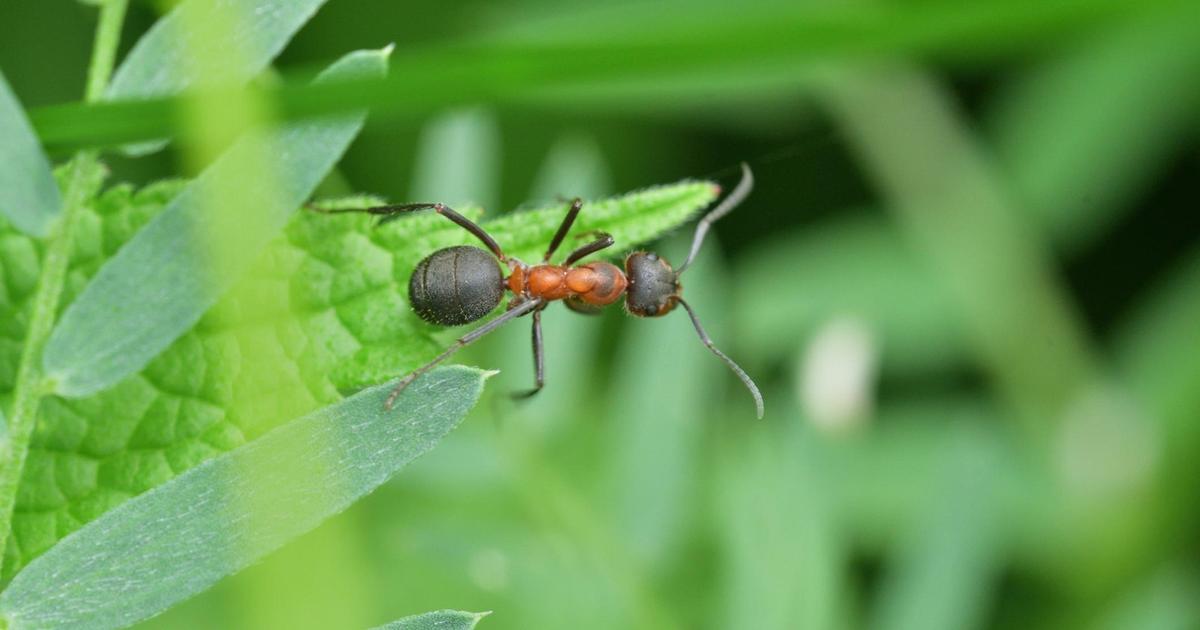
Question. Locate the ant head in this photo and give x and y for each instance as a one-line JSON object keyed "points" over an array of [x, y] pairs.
{"points": [[654, 288], [653, 285]]}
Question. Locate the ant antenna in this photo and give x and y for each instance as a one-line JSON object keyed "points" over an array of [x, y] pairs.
{"points": [[758, 399], [729, 203]]}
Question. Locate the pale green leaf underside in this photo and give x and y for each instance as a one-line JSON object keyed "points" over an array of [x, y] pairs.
{"points": [[323, 311], [162, 62], [439, 620], [180, 538], [29, 196], [159, 285]]}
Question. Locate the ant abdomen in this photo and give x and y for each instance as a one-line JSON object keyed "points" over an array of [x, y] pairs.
{"points": [[455, 286]]}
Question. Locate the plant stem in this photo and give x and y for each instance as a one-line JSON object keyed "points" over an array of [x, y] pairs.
{"points": [[30, 385], [104, 49]]}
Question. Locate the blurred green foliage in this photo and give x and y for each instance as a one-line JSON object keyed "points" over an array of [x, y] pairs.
{"points": [[967, 283]]}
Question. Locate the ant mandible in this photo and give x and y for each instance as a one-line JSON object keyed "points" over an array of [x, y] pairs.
{"points": [[461, 284]]}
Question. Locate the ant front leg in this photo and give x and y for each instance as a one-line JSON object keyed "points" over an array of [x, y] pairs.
{"points": [[539, 359]]}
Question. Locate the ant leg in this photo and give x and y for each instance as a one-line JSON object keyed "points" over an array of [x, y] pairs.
{"points": [[461, 343], [393, 212], [563, 228], [539, 359], [605, 240]]}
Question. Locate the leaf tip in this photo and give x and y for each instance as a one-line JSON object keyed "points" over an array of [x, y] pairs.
{"points": [[386, 51], [486, 375]]}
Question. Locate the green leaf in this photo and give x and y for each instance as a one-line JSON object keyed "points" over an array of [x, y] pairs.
{"points": [[29, 196], [440, 620], [180, 538], [159, 285], [324, 311], [163, 61]]}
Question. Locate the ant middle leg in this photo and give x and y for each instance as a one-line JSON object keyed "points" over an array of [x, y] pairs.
{"points": [[604, 241], [539, 359], [563, 228], [395, 211]]}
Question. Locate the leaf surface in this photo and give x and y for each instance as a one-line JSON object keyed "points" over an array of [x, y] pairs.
{"points": [[29, 196], [180, 538], [439, 620]]}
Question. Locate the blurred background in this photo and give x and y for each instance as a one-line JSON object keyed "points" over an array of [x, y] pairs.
{"points": [[968, 283]]}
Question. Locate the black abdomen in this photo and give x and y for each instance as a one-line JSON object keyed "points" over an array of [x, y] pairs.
{"points": [[456, 285]]}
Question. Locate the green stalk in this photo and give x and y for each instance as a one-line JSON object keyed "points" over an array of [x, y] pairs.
{"points": [[104, 49], [30, 384]]}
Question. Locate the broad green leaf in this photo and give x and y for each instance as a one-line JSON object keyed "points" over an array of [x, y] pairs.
{"points": [[180, 538], [28, 193], [159, 285], [324, 312], [164, 61], [440, 620]]}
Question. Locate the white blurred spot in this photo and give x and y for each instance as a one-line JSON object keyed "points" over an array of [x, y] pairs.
{"points": [[489, 570], [1106, 446], [838, 373]]}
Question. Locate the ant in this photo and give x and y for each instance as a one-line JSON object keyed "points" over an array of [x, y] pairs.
{"points": [[458, 285]]}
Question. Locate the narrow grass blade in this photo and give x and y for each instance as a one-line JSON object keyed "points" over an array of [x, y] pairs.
{"points": [[29, 196], [178, 539], [785, 555], [163, 62], [161, 282], [459, 160], [440, 620], [945, 566]]}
